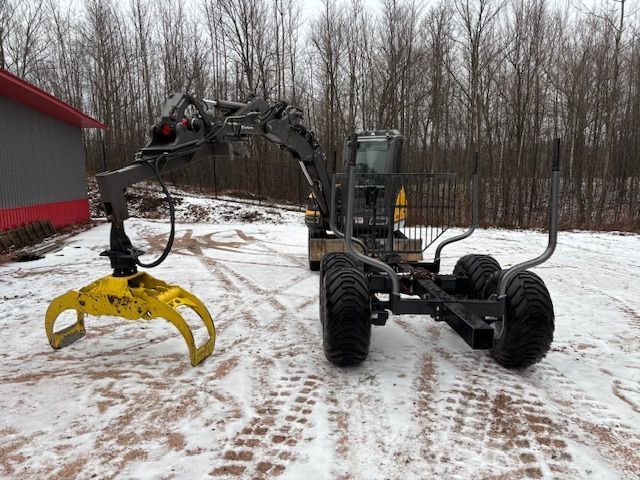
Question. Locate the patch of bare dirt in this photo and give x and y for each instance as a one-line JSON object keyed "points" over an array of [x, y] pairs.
{"points": [[11, 455], [193, 245], [176, 441], [70, 470], [225, 367], [625, 393], [608, 437]]}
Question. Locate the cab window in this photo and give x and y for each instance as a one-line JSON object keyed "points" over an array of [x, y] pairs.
{"points": [[372, 156]]}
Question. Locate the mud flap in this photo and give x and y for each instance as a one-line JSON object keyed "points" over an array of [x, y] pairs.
{"points": [[136, 297]]}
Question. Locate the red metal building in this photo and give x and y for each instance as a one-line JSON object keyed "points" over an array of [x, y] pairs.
{"points": [[42, 164]]}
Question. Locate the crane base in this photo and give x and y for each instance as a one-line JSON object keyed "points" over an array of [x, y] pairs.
{"points": [[136, 297]]}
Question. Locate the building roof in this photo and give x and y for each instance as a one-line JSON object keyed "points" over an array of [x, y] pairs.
{"points": [[17, 89]]}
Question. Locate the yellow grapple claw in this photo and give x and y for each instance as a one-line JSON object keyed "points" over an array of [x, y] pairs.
{"points": [[136, 297]]}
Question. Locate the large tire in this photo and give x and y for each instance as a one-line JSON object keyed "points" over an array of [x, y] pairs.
{"points": [[346, 316], [479, 269], [337, 260], [330, 261], [523, 337]]}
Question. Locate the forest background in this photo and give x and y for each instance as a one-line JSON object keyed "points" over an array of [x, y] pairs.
{"points": [[501, 78]]}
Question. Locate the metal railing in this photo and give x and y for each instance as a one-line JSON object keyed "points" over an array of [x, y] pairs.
{"points": [[397, 214]]}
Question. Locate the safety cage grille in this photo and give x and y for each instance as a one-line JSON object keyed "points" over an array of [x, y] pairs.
{"points": [[397, 213]]}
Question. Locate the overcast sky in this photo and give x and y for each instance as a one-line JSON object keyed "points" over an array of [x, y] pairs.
{"points": [[311, 8]]}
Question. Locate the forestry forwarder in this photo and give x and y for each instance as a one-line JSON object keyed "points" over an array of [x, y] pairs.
{"points": [[188, 129], [376, 214]]}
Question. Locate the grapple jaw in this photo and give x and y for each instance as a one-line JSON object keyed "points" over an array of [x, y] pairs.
{"points": [[135, 297]]}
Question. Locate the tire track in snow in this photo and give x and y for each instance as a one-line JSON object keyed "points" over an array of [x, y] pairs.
{"points": [[282, 407], [522, 414], [628, 312], [265, 443], [524, 430], [440, 412], [363, 414], [482, 415], [508, 431], [358, 435], [632, 315], [601, 427]]}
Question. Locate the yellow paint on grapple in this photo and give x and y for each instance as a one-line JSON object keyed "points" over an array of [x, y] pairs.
{"points": [[136, 297]]}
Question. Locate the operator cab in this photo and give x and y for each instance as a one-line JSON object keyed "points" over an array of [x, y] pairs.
{"points": [[379, 154], [379, 151]]}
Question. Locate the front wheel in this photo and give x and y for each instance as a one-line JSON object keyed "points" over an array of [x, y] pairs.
{"points": [[523, 337], [337, 260], [345, 315]]}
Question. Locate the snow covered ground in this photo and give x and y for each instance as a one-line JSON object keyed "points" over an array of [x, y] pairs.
{"points": [[124, 402]]}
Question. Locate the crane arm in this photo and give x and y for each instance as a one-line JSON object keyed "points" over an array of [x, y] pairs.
{"points": [[179, 139], [190, 129]]}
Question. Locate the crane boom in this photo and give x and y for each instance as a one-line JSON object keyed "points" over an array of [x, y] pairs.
{"points": [[190, 129], [181, 137]]}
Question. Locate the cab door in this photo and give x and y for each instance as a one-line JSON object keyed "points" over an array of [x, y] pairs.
{"points": [[395, 152]]}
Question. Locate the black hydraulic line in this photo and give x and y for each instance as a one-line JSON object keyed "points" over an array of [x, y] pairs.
{"points": [[278, 123], [191, 149], [172, 219]]}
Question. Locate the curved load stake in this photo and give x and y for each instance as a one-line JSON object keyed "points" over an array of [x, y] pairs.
{"points": [[135, 297]]}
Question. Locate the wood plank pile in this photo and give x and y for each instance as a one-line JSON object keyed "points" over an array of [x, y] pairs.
{"points": [[26, 235]]}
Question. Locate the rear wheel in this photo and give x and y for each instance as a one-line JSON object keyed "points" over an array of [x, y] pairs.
{"points": [[523, 337], [345, 310], [479, 269]]}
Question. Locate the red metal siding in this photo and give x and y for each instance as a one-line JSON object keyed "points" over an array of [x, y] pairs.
{"points": [[60, 213]]}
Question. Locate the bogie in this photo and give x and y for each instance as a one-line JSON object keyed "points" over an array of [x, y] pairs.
{"points": [[523, 335]]}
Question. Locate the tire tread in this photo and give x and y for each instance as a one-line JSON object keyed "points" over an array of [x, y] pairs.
{"points": [[529, 325], [346, 315]]}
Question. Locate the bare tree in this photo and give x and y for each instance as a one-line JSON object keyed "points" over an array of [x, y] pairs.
{"points": [[502, 78]]}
